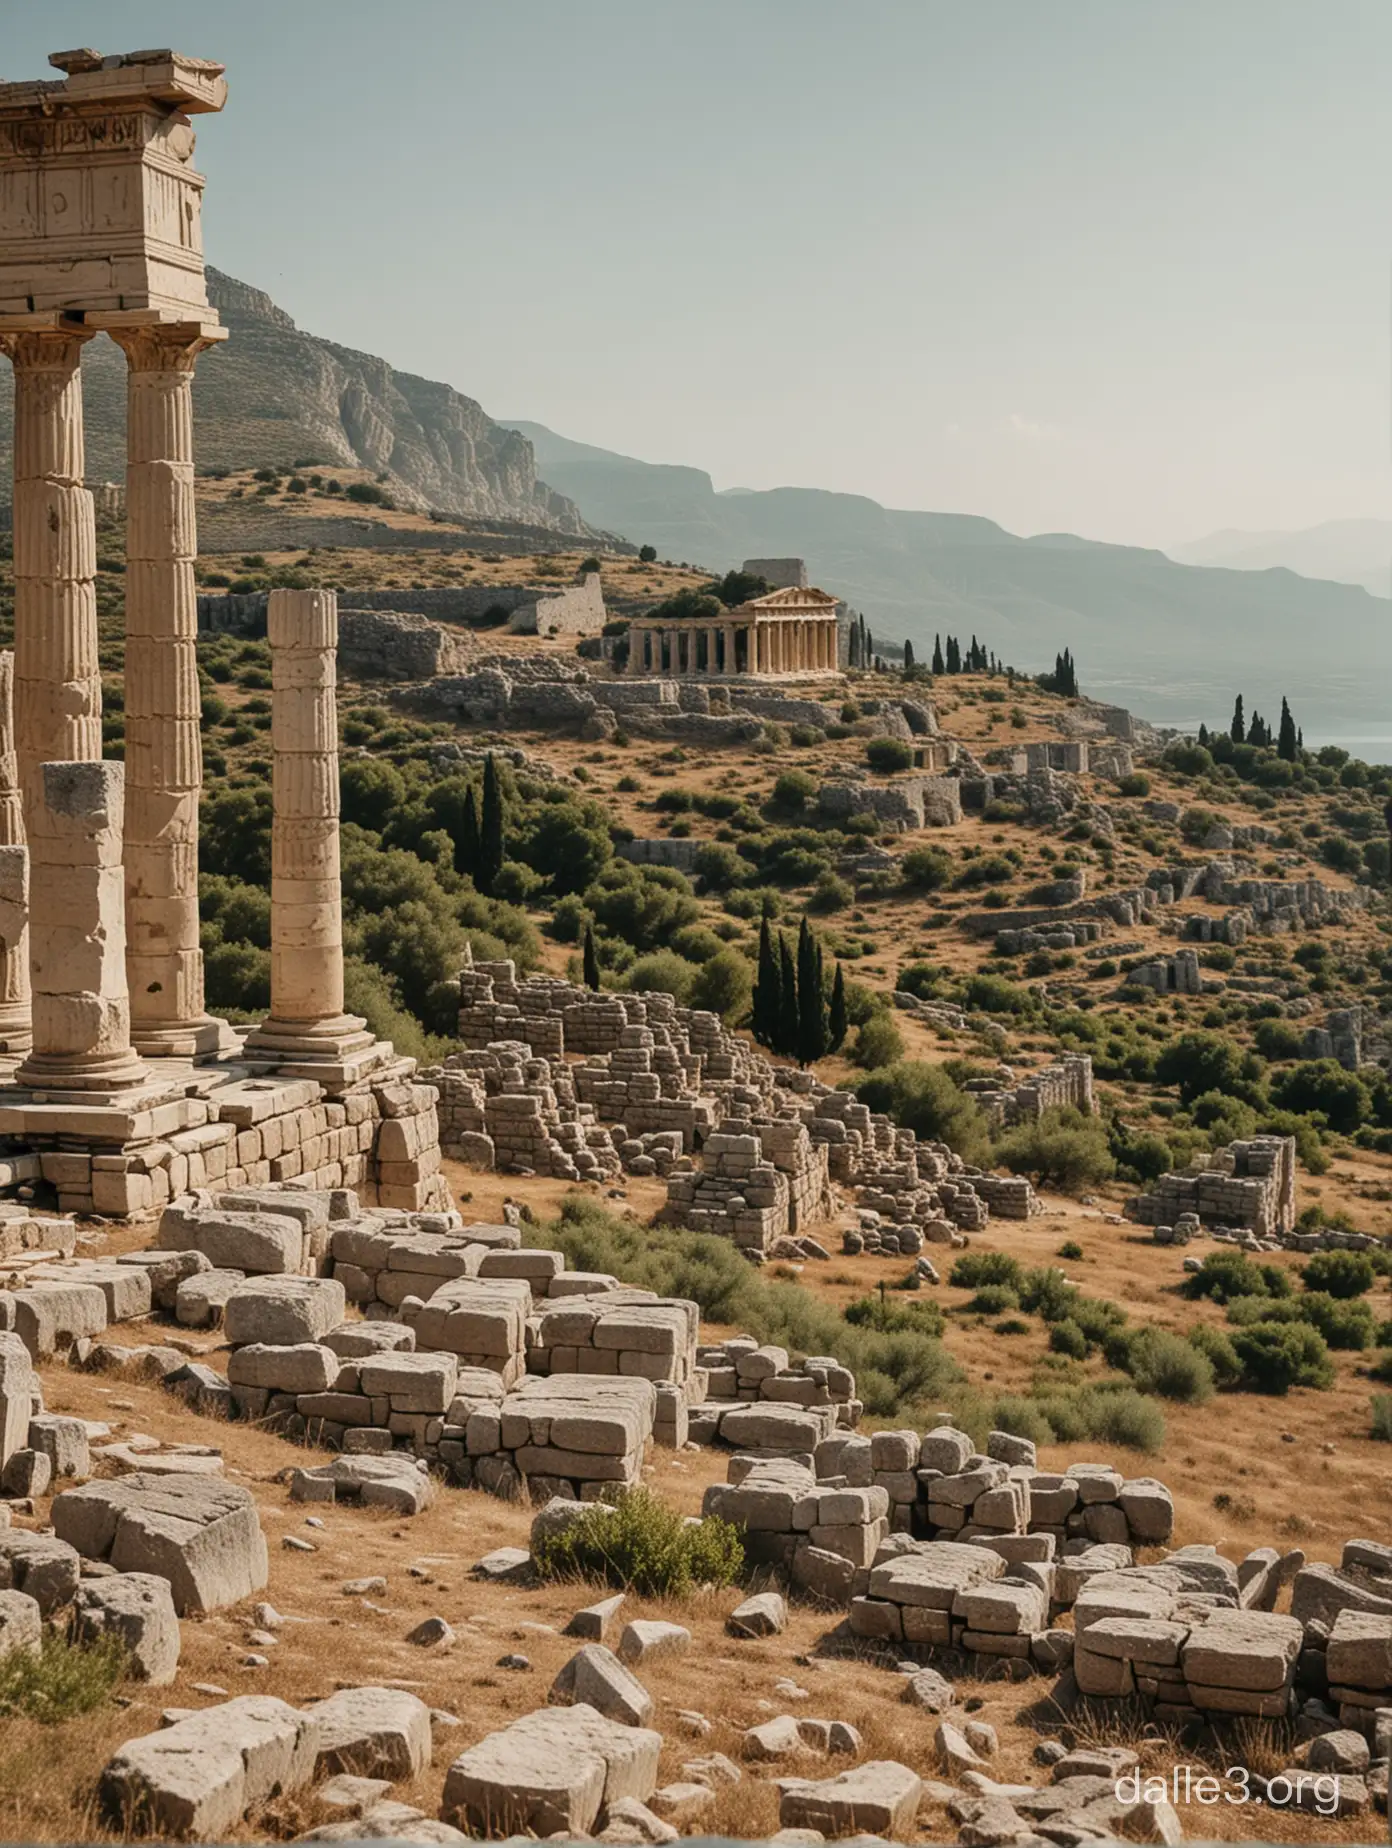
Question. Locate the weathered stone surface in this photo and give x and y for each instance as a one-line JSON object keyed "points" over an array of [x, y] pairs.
{"points": [[305, 1367], [21, 1623], [595, 1676], [765, 1614], [878, 1798], [197, 1779], [931, 1691], [393, 1480], [282, 1311], [256, 1243], [1359, 1654], [647, 1640], [1252, 1650], [552, 1770], [138, 1609], [45, 1568], [202, 1535], [594, 1620], [373, 1732]]}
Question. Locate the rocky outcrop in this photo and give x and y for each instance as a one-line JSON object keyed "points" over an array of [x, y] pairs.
{"points": [[273, 394]]}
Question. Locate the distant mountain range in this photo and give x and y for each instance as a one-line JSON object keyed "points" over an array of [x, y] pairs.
{"points": [[1174, 640], [1349, 551]]}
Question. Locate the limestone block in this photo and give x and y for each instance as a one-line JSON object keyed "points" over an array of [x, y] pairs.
{"points": [[200, 1300], [550, 1772], [1360, 1650], [1250, 1650], [200, 1534], [138, 1609], [650, 1640], [372, 1732], [259, 1243], [1149, 1510], [765, 1614], [197, 1779], [390, 1481], [877, 1798], [45, 1568], [50, 1316], [304, 1367], [413, 1382], [595, 1675], [21, 1623], [18, 1384], [283, 1311], [935, 1577], [166, 1270], [483, 1319], [63, 1441]]}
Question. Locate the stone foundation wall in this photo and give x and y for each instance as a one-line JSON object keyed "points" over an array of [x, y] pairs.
{"points": [[1248, 1184], [389, 645]]}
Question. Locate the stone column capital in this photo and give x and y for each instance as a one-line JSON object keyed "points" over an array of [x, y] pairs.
{"points": [[166, 346], [41, 349]]}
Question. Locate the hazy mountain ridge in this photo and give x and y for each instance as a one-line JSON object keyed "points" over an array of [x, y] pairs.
{"points": [[1170, 637], [1346, 551]]}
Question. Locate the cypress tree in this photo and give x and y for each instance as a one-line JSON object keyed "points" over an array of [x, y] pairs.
{"points": [[938, 664], [1237, 730], [908, 657], [466, 848], [1285, 740], [838, 1025], [1203, 733], [869, 645], [767, 990], [812, 1017], [492, 844], [590, 959], [788, 1020]]}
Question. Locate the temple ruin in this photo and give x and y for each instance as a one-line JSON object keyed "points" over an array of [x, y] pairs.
{"points": [[116, 1085], [789, 633]]}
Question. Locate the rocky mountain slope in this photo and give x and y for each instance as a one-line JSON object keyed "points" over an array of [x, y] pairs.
{"points": [[1173, 640], [273, 394], [1349, 551]]}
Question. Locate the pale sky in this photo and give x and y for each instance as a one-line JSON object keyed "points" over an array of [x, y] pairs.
{"points": [[1119, 267]]}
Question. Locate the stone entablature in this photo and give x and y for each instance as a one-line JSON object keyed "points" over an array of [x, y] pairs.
{"points": [[790, 632]]}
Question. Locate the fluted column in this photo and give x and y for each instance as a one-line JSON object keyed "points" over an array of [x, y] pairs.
{"points": [[77, 943], [306, 1024], [164, 762], [15, 1033], [57, 677]]}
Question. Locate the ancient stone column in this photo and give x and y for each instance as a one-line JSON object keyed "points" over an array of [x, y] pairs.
{"points": [[164, 762], [306, 1025], [57, 677], [15, 1033], [637, 639], [77, 939]]}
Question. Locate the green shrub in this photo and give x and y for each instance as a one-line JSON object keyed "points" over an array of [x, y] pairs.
{"points": [[979, 1268], [1323, 1085], [1112, 1415], [994, 1299], [63, 1680], [1066, 1337], [1098, 1318], [879, 1042], [1062, 1148], [1135, 784], [1166, 1364], [1218, 1350], [1339, 1273], [926, 869], [923, 1098], [1229, 1274], [1278, 1355], [887, 755], [1277, 1039], [793, 791], [1048, 1293], [830, 893], [994, 995], [643, 1545], [1343, 1323], [1070, 1249], [663, 972], [1021, 1418], [1381, 1410]]}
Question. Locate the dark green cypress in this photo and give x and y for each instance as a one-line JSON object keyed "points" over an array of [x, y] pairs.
{"points": [[768, 989], [939, 667], [1285, 739], [812, 1017], [788, 1021], [1237, 729], [908, 657], [492, 845], [590, 959], [466, 848], [838, 1026]]}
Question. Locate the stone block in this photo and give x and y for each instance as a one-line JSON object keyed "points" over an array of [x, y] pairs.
{"points": [[877, 1798], [372, 1732], [282, 1311], [550, 1772], [595, 1676], [201, 1535], [138, 1609]]}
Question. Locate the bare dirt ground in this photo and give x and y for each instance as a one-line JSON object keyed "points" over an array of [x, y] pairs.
{"points": [[1296, 1470]]}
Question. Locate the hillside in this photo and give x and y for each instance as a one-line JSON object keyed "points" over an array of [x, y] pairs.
{"points": [[1349, 551], [273, 394], [1168, 638]]}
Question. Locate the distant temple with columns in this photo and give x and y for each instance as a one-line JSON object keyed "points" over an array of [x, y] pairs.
{"points": [[790, 633]]}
